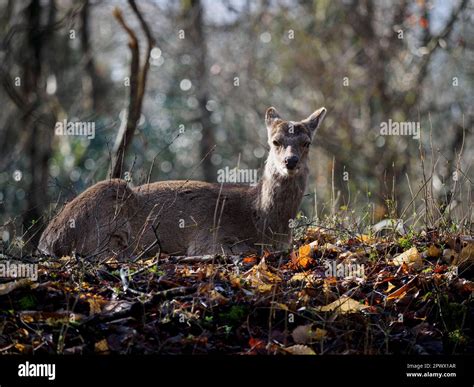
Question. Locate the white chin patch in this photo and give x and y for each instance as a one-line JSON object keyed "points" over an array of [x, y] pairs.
{"points": [[288, 172]]}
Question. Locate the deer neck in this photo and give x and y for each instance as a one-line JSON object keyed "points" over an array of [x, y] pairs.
{"points": [[277, 200]]}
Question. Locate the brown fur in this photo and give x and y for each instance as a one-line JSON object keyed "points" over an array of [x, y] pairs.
{"points": [[191, 217]]}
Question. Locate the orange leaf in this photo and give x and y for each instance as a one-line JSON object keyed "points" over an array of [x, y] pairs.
{"points": [[250, 260], [304, 257], [304, 251], [400, 292], [256, 343]]}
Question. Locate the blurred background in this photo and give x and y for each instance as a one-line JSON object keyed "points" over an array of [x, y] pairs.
{"points": [[214, 69]]}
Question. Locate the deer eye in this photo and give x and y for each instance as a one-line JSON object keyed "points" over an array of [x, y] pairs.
{"points": [[306, 144], [276, 143]]}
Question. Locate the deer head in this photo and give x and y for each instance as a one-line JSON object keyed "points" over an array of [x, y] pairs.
{"points": [[290, 142]]}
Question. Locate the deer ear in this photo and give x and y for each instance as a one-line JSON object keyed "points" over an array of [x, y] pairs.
{"points": [[314, 120], [271, 116]]}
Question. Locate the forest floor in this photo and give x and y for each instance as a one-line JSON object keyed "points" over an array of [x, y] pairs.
{"points": [[334, 294]]}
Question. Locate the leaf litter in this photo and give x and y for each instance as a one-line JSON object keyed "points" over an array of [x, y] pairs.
{"points": [[409, 298]]}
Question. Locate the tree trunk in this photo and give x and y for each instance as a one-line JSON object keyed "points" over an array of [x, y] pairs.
{"points": [[194, 32]]}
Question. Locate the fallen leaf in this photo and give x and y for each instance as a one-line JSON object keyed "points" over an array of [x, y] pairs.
{"points": [[256, 343], [440, 268], [261, 277], [320, 235], [389, 287], [304, 258], [264, 288], [411, 257], [215, 296], [305, 334], [433, 252], [320, 334], [330, 248], [400, 292], [302, 334], [95, 306], [299, 349], [304, 251], [304, 276], [116, 306], [249, 260], [343, 305], [20, 347], [235, 281], [366, 239], [101, 346]]}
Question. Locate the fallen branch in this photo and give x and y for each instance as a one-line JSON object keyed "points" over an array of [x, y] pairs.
{"points": [[136, 309]]}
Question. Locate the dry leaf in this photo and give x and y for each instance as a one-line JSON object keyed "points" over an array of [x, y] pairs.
{"points": [[249, 260], [320, 334], [343, 305], [300, 350], [302, 334], [411, 257], [433, 251], [366, 239], [330, 248], [215, 296], [20, 347], [257, 343], [95, 306], [389, 287], [305, 334], [400, 292], [101, 346], [261, 277], [116, 306], [304, 258], [234, 281], [319, 234], [304, 276], [304, 251]]}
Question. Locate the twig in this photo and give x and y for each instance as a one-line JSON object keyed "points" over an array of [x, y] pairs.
{"points": [[154, 244], [138, 76], [136, 308]]}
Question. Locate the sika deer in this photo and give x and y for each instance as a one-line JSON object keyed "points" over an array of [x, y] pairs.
{"points": [[192, 217]]}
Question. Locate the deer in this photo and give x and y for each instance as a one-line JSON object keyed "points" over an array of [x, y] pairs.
{"points": [[114, 219]]}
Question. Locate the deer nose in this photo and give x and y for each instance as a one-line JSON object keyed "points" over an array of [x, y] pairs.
{"points": [[291, 161]]}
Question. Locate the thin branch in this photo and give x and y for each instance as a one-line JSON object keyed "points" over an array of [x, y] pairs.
{"points": [[138, 76]]}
